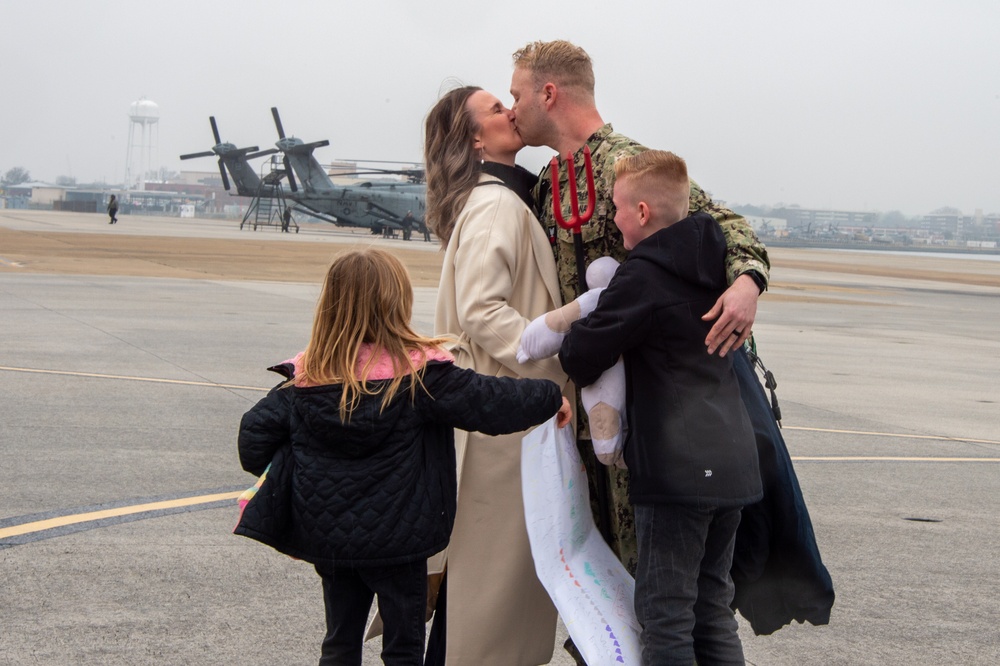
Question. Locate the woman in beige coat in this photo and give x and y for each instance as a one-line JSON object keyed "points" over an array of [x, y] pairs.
{"points": [[498, 275]]}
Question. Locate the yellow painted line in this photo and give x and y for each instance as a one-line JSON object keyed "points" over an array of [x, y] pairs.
{"points": [[131, 378], [940, 438], [62, 521], [889, 459]]}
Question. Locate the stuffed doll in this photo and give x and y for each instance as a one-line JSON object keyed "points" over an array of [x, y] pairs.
{"points": [[604, 400]]}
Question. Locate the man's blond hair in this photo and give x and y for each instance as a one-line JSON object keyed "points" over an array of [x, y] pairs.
{"points": [[559, 61], [658, 176]]}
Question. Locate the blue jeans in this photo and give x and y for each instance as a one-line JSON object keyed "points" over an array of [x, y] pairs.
{"points": [[402, 603], [682, 584]]}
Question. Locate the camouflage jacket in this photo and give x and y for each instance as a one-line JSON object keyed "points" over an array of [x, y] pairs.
{"points": [[744, 252]]}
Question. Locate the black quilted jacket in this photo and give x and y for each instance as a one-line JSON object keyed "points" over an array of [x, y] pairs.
{"points": [[379, 489]]}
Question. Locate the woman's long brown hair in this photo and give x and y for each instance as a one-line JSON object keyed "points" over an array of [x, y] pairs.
{"points": [[451, 163]]}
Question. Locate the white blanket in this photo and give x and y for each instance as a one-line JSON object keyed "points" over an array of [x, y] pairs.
{"points": [[587, 583]]}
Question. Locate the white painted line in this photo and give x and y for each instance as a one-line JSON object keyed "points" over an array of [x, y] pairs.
{"points": [[131, 378], [941, 438], [891, 459]]}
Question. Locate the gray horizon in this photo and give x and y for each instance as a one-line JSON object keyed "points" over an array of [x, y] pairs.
{"points": [[875, 106]]}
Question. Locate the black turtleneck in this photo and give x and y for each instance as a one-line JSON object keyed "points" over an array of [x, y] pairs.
{"points": [[516, 178]]}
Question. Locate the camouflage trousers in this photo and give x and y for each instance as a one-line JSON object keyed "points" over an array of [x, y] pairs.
{"points": [[621, 518]]}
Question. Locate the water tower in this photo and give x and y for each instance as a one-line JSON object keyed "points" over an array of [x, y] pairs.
{"points": [[143, 116]]}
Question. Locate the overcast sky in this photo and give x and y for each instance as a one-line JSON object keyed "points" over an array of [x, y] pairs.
{"points": [[869, 105]]}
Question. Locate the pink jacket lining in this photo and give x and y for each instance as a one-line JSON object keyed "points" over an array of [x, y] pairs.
{"points": [[383, 365]]}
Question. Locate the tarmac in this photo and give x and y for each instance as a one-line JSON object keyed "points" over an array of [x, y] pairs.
{"points": [[126, 364]]}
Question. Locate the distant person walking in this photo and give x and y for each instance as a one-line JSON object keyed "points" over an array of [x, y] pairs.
{"points": [[113, 209], [407, 225], [361, 447], [286, 218]]}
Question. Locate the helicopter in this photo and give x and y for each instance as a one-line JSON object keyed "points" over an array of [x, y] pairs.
{"points": [[380, 206]]}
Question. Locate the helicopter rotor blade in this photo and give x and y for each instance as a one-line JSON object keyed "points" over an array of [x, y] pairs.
{"points": [[244, 151], [277, 122], [262, 153], [412, 175], [291, 175], [311, 146], [191, 156], [222, 172], [215, 130], [416, 164], [372, 172]]}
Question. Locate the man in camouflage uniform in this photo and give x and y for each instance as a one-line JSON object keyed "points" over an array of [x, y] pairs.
{"points": [[554, 105], [553, 91]]}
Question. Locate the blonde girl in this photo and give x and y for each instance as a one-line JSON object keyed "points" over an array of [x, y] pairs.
{"points": [[362, 482]]}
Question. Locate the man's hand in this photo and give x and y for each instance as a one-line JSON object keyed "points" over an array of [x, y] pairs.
{"points": [[735, 312], [564, 414]]}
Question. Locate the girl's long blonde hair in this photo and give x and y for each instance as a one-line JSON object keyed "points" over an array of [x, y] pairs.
{"points": [[366, 298]]}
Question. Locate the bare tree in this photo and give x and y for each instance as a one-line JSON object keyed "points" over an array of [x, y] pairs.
{"points": [[15, 176], [166, 175]]}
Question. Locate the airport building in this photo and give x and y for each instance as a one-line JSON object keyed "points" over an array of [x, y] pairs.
{"points": [[815, 218]]}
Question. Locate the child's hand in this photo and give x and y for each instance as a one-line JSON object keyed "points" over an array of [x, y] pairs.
{"points": [[564, 414]]}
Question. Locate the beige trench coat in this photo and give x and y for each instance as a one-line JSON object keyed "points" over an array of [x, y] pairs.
{"points": [[498, 275]]}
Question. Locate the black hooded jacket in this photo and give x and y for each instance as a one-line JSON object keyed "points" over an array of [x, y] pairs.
{"points": [[690, 440], [379, 489]]}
